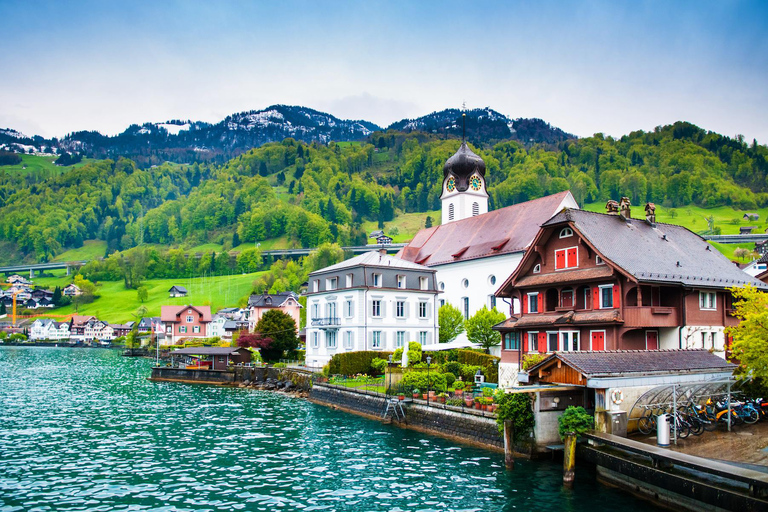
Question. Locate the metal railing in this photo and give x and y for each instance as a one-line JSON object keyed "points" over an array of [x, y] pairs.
{"points": [[328, 321]]}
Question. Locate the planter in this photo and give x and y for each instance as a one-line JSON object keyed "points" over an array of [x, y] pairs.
{"points": [[478, 406], [416, 395], [458, 392], [401, 397], [468, 402], [424, 396]]}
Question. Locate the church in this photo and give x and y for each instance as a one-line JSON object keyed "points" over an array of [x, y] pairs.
{"points": [[474, 251]]}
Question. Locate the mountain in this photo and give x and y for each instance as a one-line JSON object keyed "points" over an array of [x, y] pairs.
{"points": [[196, 141], [484, 125]]}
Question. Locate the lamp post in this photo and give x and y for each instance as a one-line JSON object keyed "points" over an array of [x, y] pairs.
{"points": [[429, 361], [389, 367]]}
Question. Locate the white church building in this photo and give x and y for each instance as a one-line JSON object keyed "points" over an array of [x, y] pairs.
{"points": [[474, 251]]}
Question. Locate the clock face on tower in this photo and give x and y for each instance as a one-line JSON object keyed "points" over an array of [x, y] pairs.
{"points": [[475, 182], [451, 184]]}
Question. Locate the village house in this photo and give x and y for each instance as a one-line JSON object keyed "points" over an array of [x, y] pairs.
{"points": [[216, 326], [182, 322], [177, 291], [119, 330], [594, 281], [474, 250], [72, 290], [17, 279], [150, 324], [287, 302], [47, 329], [370, 302], [77, 326]]}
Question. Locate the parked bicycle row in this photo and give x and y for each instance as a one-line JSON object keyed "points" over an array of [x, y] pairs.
{"points": [[691, 418]]}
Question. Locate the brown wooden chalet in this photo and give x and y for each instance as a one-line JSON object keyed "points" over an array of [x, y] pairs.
{"points": [[593, 281]]}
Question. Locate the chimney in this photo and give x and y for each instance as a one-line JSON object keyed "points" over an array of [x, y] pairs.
{"points": [[383, 252], [624, 210]]}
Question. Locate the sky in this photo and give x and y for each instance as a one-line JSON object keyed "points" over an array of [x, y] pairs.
{"points": [[584, 66]]}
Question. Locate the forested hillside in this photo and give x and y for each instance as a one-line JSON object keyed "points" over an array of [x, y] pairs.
{"points": [[308, 194]]}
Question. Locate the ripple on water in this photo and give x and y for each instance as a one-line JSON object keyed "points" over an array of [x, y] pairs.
{"points": [[84, 430]]}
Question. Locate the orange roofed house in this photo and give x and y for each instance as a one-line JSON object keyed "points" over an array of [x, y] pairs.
{"points": [[594, 281], [181, 322]]}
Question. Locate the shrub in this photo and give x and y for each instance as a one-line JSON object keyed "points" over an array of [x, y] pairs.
{"points": [[378, 365], [532, 360], [352, 363], [414, 356], [516, 407], [449, 379], [419, 380], [575, 419], [279, 365], [488, 392], [468, 372], [456, 402], [398, 355], [487, 362], [453, 367], [17, 336]]}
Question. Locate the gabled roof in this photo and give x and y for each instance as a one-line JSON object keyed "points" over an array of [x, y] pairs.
{"points": [[270, 300], [501, 231], [374, 259], [81, 319], [179, 289], [664, 253], [172, 313], [621, 362]]}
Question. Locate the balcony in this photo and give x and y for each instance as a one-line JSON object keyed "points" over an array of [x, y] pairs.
{"points": [[651, 316], [329, 322]]}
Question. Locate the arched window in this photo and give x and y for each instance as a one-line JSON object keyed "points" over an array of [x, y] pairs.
{"points": [[475, 209], [566, 232], [450, 211], [537, 268]]}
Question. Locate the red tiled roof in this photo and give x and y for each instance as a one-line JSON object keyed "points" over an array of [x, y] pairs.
{"points": [[172, 313], [501, 231]]}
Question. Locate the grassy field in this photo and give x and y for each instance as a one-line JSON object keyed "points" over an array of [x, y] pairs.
{"points": [[91, 249], [407, 224], [40, 164], [116, 304], [695, 218]]}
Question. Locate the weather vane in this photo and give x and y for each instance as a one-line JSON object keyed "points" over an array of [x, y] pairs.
{"points": [[463, 121]]}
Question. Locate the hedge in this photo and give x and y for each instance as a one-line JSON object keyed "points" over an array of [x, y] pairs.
{"points": [[487, 362], [352, 363]]}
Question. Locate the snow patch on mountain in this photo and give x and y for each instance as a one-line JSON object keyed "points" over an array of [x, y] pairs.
{"points": [[12, 133]]}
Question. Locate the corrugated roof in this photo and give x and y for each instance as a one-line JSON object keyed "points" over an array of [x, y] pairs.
{"points": [[663, 253], [374, 259], [617, 362], [501, 231]]}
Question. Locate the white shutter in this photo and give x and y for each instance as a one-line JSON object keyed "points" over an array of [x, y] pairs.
{"points": [[383, 339], [383, 308], [407, 309]]}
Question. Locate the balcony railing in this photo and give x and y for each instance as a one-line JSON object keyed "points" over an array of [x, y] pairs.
{"points": [[329, 321], [651, 316]]}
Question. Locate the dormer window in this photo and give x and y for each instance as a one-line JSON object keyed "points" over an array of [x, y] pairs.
{"points": [[599, 260], [537, 268], [566, 232], [401, 281], [377, 280]]}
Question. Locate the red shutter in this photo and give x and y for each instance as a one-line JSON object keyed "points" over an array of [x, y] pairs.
{"points": [[616, 296], [542, 342], [524, 300], [560, 259], [540, 299], [595, 298], [525, 342], [573, 260]]}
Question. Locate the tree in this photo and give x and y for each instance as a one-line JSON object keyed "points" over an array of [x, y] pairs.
{"points": [[451, 322], [480, 327], [56, 299], [325, 255], [2, 309], [142, 293], [88, 290], [428, 222], [750, 337], [253, 340], [281, 328]]}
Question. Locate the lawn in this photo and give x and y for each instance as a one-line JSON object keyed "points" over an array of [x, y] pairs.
{"points": [[695, 218], [91, 249], [407, 224], [40, 164], [116, 304]]}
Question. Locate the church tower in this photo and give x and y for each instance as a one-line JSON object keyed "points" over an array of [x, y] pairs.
{"points": [[464, 193]]}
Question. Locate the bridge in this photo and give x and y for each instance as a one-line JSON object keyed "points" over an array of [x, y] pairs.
{"points": [[736, 239], [42, 266]]}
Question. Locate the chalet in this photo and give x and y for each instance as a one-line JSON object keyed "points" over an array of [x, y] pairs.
{"points": [[119, 330], [177, 291], [77, 326], [181, 322], [592, 281], [746, 230], [751, 216], [17, 279], [150, 324], [95, 329], [383, 240], [40, 293], [287, 302], [71, 290], [761, 248]]}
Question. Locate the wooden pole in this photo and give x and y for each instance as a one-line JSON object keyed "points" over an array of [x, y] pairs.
{"points": [[569, 459], [509, 444]]}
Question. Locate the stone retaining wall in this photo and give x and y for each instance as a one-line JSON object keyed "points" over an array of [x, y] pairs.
{"points": [[454, 425]]}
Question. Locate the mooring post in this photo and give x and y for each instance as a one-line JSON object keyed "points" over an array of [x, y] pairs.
{"points": [[509, 444], [569, 459]]}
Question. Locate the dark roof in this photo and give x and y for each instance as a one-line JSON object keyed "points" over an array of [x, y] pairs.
{"points": [[570, 317], [462, 165], [208, 351], [567, 276], [497, 232], [178, 289], [663, 253], [617, 362], [266, 300]]}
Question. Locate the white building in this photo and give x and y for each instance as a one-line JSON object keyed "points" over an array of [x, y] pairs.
{"points": [[47, 329], [370, 302], [216, 327]]}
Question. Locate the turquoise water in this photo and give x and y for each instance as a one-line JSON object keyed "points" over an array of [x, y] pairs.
{"points": [[83, 429]]}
